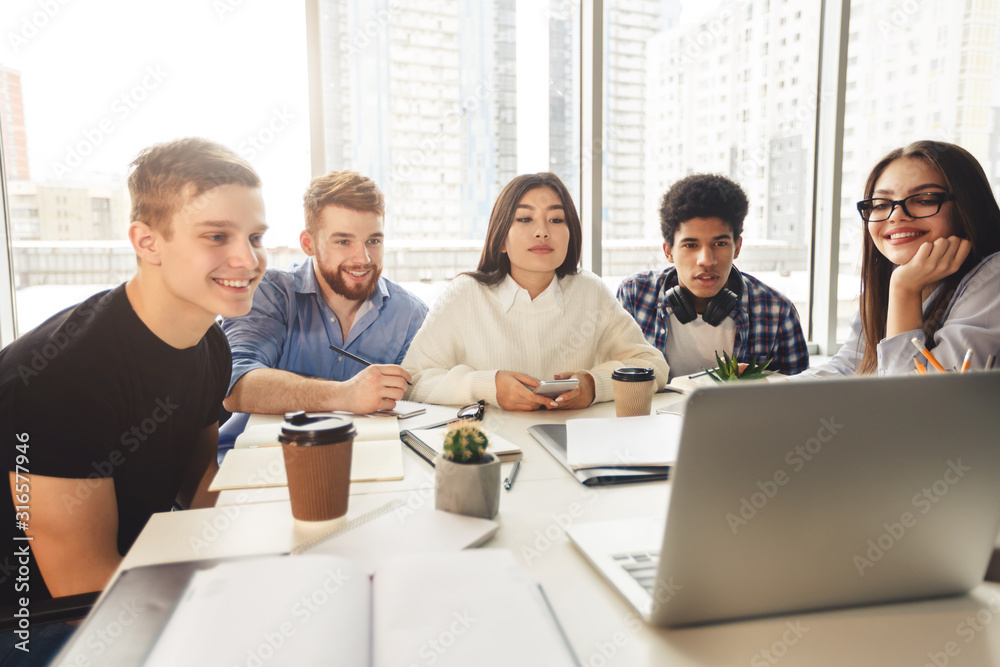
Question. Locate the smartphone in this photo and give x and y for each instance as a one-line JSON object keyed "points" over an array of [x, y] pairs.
{"points": [[553, 388]]}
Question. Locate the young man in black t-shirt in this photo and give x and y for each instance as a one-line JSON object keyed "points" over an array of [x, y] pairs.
{"points": [[110, 408]]}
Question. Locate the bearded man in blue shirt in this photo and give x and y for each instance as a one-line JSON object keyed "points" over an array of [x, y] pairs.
{"points": [[282, 359], [703, 305]]}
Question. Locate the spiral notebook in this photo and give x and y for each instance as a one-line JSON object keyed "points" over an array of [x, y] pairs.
{"points": [[429, 442]]}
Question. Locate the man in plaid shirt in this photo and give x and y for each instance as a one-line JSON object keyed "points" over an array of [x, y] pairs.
{"points": [[703, 305]]}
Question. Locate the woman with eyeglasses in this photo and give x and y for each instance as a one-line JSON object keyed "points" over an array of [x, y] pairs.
{"points": [[527, 313], [930, 267]]}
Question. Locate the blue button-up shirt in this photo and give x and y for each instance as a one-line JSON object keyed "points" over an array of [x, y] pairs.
{"points": [[291, 328]]}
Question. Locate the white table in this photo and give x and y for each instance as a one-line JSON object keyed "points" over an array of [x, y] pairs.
{"points": [[600, 625]]}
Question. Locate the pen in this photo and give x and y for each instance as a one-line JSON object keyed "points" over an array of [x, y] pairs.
{"points": [[921, 369], [967, 361], [927, 353], [352, 356], [509, 482], [446, 422]]}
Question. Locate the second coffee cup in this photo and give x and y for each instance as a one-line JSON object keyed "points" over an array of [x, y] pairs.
{"points": [[634, 388]]}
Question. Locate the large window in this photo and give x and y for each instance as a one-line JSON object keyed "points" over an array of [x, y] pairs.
{"points": [[85, 86], [443, 103], [722, 87], [916, 70]]}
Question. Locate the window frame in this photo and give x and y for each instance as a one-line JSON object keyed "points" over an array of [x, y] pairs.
{"points": [[824, 245], [8, 309]]}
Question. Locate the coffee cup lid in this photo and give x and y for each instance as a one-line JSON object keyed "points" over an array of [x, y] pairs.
{"points": [[315, 428], [633, 374]]}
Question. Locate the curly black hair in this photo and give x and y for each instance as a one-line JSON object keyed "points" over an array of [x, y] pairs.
{"points": [[703, 196]]}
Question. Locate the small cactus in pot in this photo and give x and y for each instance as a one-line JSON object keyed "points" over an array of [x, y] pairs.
{"points": [[465, 443], [467, 476]]}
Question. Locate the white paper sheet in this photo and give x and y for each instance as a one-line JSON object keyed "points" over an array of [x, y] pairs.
{"points": [[261, 467], [413, 528], [263, 430], [623, 441], [277, 611], [463, 608]]}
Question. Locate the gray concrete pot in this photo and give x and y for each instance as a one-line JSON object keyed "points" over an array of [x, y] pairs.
{"points": [[472, 489]]}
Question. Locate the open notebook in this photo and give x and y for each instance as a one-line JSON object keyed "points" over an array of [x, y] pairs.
{"points": [[257, 461], [444, 608]]}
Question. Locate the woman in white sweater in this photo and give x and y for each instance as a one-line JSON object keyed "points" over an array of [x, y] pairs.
{"points": [[527, 313]]}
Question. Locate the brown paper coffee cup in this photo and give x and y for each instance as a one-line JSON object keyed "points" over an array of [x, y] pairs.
{"points": [[317, 457], [633, 389]]}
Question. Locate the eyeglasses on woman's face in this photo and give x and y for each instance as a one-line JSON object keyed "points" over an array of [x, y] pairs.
{"points": [[921, 205]]}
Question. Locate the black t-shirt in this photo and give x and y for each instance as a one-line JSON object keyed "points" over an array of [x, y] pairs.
{"points": [[96, 394]]}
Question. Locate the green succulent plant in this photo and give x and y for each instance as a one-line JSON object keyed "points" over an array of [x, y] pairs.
{"points": [[728, 369], [465, 443]]}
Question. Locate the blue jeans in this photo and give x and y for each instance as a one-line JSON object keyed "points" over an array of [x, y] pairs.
{"points": [[46, 640]]}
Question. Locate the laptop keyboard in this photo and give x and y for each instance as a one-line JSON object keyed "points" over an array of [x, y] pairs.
{"points": [[641, 565]]}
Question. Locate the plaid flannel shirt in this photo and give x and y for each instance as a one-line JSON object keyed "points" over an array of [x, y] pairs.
{"points": [[767, 324]]}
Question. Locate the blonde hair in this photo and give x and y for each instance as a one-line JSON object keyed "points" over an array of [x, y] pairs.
{"points": [[162, 175], [348, 189]]}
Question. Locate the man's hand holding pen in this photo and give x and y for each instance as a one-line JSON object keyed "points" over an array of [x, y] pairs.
{"points": [[377, 387]]}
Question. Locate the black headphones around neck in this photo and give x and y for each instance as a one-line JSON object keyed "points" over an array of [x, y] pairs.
{"points": [[718, 307]]}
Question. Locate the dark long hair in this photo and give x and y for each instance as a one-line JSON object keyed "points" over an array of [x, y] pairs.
{"points": [[976, 217], [494, 265]]}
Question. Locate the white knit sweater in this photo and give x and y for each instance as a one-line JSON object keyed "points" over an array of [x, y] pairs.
{"points": [[473, 331]]}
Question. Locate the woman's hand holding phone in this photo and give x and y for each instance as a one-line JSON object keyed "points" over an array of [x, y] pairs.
{"points": [[578, 398], [515, 391]]}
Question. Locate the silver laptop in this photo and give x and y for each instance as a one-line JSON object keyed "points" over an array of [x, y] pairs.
{"points": [[814, 494]]}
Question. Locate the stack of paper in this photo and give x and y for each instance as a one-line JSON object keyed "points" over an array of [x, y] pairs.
{"points": [[623, 441]]}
